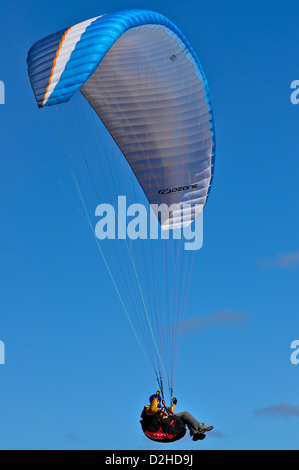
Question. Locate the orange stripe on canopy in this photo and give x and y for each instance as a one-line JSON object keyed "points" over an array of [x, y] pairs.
{"points": [[54, 64]]}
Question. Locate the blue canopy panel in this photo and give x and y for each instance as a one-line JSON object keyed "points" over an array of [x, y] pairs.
{"points": [[141, 76]]}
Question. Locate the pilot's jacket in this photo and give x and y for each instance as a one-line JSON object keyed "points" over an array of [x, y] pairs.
{"points": [[153, 408]]}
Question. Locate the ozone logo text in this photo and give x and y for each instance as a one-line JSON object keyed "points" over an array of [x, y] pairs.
{"points": [[179, 188]]}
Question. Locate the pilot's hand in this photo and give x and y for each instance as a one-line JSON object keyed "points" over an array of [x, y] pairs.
{"points": [[174, 401]]}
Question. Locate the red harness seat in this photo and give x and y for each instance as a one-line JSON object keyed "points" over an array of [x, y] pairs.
{"points": [[164, 430]]}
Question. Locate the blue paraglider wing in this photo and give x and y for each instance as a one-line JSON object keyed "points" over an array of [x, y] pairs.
{"points": [[143, 79]]}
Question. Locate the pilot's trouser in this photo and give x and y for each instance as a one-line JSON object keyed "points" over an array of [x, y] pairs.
{"points": [[192, 424]]}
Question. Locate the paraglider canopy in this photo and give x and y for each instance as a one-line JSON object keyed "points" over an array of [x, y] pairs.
{"points": [[143, 79]]}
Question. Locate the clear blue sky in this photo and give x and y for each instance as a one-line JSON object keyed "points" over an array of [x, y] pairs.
{"points": [[73, 368]]}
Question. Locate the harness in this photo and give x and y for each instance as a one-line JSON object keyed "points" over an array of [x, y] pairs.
{"points": [[164, 430]]}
